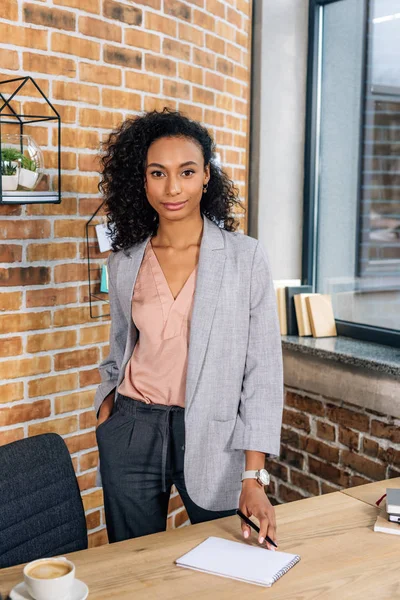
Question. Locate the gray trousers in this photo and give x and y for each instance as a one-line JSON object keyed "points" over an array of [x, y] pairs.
{"points": [[141, 448]]}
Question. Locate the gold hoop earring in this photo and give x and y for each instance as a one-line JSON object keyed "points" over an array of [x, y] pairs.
{"points": [[205, 188]]}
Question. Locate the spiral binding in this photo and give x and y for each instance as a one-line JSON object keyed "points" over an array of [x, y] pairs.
{"points": [[286, 569]]}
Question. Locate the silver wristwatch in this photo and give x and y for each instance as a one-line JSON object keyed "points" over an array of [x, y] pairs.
{"points": [[262, 476]]}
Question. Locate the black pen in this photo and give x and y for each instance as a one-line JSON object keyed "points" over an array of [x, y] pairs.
{"points": [[254, 526]]}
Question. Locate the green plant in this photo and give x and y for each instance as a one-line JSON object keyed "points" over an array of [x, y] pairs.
{"points": [[11, 154], [8, 169], [27, 163]]}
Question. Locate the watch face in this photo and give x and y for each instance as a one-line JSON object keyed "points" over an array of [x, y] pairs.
{"points": [[264, 476]]}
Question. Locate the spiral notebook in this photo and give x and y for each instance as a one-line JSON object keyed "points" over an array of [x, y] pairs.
{"points": [[239, 561]]}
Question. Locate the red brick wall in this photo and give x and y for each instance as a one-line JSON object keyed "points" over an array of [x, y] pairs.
{"points": [[98, 61], [328, 445]]}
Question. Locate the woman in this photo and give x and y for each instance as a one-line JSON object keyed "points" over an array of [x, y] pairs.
{"points": [[191, 391]]}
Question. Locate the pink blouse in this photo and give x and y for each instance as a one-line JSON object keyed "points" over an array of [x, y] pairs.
{"points": [[156, 371]]}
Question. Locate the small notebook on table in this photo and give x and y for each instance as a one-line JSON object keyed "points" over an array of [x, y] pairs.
{"points": [[240, 561]]}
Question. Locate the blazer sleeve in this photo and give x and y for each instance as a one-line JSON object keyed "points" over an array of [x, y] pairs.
{"points": [[259, 421], [109, 367]]}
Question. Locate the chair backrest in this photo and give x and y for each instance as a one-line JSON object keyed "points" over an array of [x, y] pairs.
{"points": [[41, 510]]}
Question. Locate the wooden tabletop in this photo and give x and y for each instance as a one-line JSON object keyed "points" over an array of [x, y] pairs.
{"points": [[371, 492], [341, 557]]}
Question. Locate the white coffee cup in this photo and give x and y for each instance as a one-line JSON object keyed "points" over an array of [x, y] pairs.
{"points": [[49, 578]]}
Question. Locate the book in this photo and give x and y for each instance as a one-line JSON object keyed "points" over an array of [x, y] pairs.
{"points": [[303, 321], [393, 501], [383, 525], [104, 279], [320, 313], [280, 285], [239, 561], [394, 518], [290, 292]]}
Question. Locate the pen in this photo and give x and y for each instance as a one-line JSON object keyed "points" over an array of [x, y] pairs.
{"points": [[254, 526]]}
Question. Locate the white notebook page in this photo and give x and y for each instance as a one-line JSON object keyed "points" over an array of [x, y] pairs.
{"points": [[238, 561]]}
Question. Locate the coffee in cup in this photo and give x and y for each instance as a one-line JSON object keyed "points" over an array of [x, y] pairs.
{"points": [[49, 578]]}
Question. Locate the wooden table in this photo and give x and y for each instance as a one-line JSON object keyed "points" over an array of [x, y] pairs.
{"points": [[371, 492], [341, 558]]}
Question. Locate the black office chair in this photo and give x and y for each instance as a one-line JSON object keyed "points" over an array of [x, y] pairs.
{"points": [[41, 510]]}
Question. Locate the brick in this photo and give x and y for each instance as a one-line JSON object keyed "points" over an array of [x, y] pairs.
{"points": [[93, 520], [24, 322], [51, 341], [68, 159], [161, 24], [92, 6], [191, 34], [69, 228], [24, 276], [87, 481], [358, 480], [98, 538], [9, 10], [349, 438], [159, 104], [49, 17], [348, 418], [225, 138], [25, 367], [78, 46], [389, 456], [177, 9], [100, 74], [10, 347], [90, 117], [122, 12], [94, 335], [80, 138], [51, 296], [142, 39], [89, 162], [75, 401], [192, 74], [215, 7], [10, 392], [94, 499], [175, 502], [161, 66], [276, 469], [318, 448], [216, 82], [371, 469], [100, 29], [60, 426], [71, 316], [326, 431], [80, 92], [156, 4], [123, 57], [76, 358], [290, 437], [51, 65], [304, 403], [142, 82], [89, 377], [370, 447], [215, 44], [233, 52], [297, 420], [89, 460], [242, 39], [234, 17], [51, 385], [193, 112], [241, 107], [87, 420], [213, 117], [122, 100], [175, 89], [24, 36], [11, 435], [233, 87], [328, 472], [291, 457], [204, 59], [24, 412], [326, 488], [203, 96], [83, 441], [41, 135], [11, 253], [203, 20], [176, 49], [51, 251], [241, 73], [225, 66], [308, 484], [386, 431], [25, 229], [181, 518], [289, 495]]}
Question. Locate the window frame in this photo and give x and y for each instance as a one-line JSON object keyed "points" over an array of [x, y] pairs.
{"points": [[380, 335]]}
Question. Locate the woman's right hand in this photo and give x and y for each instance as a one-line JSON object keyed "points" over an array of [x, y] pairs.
{"points": [[105, 409]]}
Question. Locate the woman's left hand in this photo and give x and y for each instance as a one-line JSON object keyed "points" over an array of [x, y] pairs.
{"points": [[254, 501]]}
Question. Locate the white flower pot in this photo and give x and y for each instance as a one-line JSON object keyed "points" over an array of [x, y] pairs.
{"points": [[27, 179], [9, 183]]}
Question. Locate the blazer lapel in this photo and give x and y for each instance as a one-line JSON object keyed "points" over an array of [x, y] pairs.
{"points": [[209, 278]]}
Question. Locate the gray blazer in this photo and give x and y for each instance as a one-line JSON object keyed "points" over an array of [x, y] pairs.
{"points": [[234, 388]]}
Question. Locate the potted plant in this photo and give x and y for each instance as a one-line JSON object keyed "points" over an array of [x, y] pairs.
{"points": [[9, 177], [27, 161], [28, 176]]}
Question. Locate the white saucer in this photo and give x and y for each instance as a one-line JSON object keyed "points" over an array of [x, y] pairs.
{"points": [[80, 591]]}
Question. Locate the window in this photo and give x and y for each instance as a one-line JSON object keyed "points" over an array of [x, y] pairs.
{"points": [[351, 246]]}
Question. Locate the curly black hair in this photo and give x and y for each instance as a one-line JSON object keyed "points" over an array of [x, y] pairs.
{"points": [[130, 216]]}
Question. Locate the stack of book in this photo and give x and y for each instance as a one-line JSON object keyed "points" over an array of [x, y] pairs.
{"points": [[303, 313], [389, 521]]}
